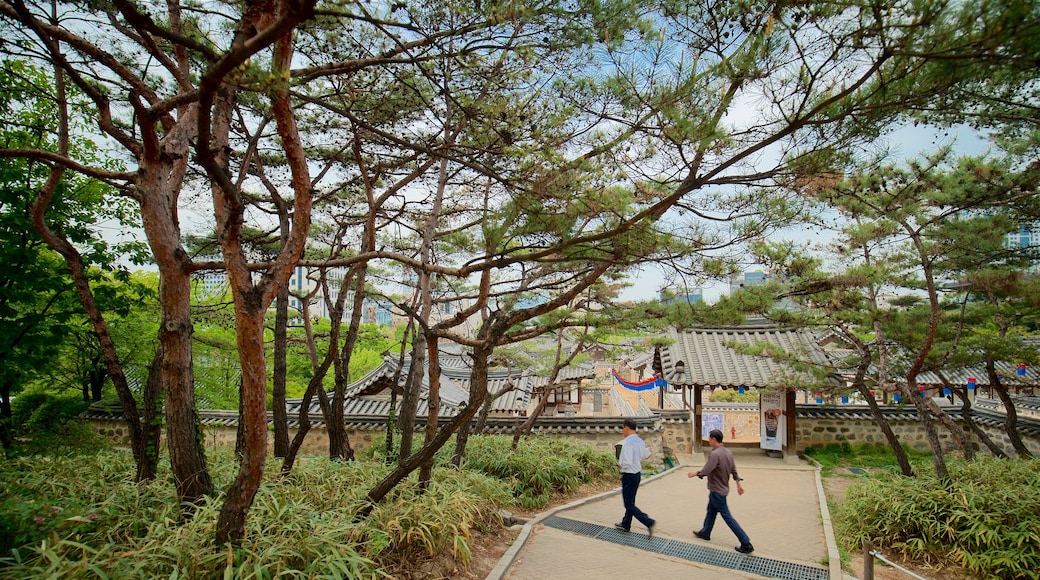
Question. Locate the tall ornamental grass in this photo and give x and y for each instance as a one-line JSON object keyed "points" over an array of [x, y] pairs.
{"points": [[82, 516], [540, 467], [986, 520]]}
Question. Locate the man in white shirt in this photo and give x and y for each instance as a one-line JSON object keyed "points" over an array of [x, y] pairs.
{"points": [[630, 460]]}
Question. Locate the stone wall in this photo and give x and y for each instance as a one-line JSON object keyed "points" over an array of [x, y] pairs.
{"points": [[669, 434], [317, 441], [819, 431], [844, 424]]}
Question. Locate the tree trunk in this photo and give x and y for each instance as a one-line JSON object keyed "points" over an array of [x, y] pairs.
{"points": [[1010, 413], [461, 440], [410, 400], [434, 403], [320, 371], [859, 381], [96, 379], [925, 416], [886, 429], [339, 441], [966, 447], [529, 423], [278, 411], [177, 380], [253, 421], [313, 386], [966, 416], [145, 463], [78, 271], [276, 21], [478, 391], [6, 437], [152, 403]]}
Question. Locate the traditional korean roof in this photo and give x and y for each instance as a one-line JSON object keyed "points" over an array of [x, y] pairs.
{"points": [[641, 360], [370, 395], [959, 376], [710, 361]]}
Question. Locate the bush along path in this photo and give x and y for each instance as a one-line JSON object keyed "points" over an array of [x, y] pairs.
{"points": [[983, 521], [79, 515]]}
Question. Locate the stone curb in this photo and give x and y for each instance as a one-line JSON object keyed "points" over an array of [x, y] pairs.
{"points": [[833, 555]]}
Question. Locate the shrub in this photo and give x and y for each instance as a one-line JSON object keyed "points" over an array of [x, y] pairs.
{"points": [[865, 455], [540, 466], [80, 516], [45, 413], [733, 396], [983, 519]]}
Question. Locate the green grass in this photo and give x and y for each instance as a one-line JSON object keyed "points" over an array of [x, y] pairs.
{"points": [[866, 456]]}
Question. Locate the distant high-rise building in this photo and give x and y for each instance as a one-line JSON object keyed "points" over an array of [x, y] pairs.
{"points": [[1027, 236], [692, 296], [747, 279], [208, 283]]}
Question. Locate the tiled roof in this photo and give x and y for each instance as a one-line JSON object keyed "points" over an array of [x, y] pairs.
{"points": [[711, 362], [1008, 371], [369, 395]]}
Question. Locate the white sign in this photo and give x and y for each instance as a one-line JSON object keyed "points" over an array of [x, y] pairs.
{"points": [[772, 407]]}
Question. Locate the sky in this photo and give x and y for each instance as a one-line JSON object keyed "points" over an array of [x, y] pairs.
{"points": [[904, 143]]}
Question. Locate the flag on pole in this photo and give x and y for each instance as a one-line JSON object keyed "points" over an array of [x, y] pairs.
{"points": [[646, 385]]}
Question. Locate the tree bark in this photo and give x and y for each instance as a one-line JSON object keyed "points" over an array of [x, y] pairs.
{"points": [[434, 403], [278, 412], [410, 400], [275, 21], [1010, 413]]}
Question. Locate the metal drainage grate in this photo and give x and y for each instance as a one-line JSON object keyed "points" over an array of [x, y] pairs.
{"points": [[856, 470], [693, 552]]}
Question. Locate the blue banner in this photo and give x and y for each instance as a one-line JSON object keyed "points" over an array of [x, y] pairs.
{"points": [[641, 385]]}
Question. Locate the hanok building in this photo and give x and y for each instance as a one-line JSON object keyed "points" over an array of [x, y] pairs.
{"points": [[706, 359]]}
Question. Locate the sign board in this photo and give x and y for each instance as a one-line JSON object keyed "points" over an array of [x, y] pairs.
{"points": [[772, 406], [710, 421]]}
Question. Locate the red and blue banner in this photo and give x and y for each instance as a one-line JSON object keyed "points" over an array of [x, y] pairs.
{"points": [[646, 385]]}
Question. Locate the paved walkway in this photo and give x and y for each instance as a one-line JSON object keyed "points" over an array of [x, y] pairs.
{"points": [[782, 510]]}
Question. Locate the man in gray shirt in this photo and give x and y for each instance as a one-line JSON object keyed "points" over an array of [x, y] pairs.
{"points": [[718, 469]]}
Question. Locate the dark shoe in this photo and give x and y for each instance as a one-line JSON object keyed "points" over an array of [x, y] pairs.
{"points": [[650, 528], [745, 548], [704, 537], [620, 527]]}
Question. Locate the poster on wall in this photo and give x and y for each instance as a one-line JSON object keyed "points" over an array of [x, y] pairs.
{"points": [[710, 421], [773, 426]]}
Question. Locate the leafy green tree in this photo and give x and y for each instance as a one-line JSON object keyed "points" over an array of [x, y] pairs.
{"points": [[29, 188]]}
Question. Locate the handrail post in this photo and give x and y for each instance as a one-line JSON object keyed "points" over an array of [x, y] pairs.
{"points": [[868, 560]]}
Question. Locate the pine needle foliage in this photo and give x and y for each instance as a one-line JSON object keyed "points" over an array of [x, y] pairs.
{"points": [[984, 519]]}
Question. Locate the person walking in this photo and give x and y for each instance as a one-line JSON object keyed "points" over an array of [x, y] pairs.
{"points": [[630, 460], [718, 469]]}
